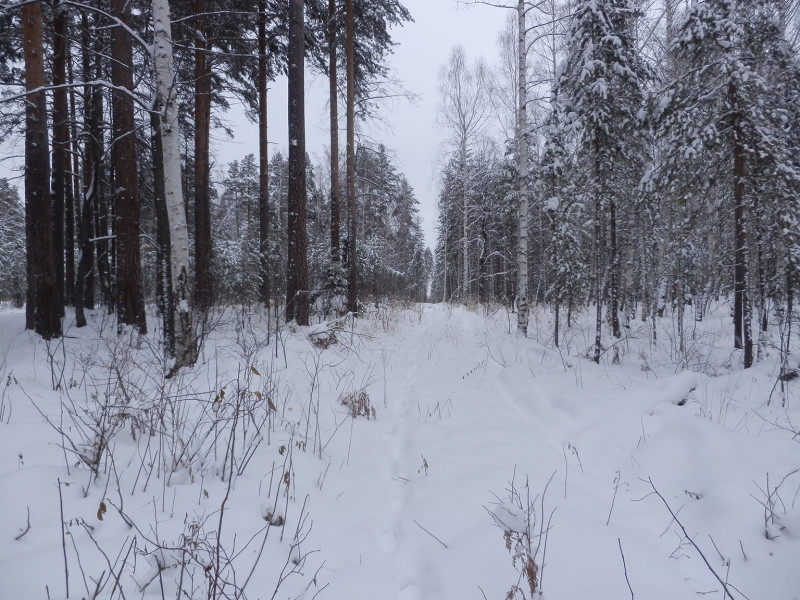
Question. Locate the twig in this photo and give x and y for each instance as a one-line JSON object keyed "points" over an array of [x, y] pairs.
{"points": [[722, 558], [691, 541], [63, 537], [742, 547], [613, 499], [215, 581], [624, 567], [27, 528], [430, 534]]}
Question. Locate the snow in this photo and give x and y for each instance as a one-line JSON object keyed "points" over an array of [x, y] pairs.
{"points": [[478, 439]]}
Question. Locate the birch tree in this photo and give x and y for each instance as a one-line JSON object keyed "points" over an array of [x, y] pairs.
{"points": [[522, 172], [183, 349], [465, 114]]}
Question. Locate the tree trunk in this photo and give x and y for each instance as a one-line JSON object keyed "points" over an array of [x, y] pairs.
{"points": [[558, 283], [263, 158], [185, 344], [741, 308], [297, 268], [522, 173], [465, 191], [84, 278], [130, 298], [615, 274], [483, 275], [60, 144], [72, 192], [202, 208], [43, 311], [99, 200], [352, 273], [598, 285], [163, 268], [334, 118]]}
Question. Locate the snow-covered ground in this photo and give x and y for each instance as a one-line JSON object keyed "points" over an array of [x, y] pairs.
{"points": [[668, 476]]}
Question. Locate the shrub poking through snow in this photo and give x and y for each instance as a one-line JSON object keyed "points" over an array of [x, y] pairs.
{"points": [[359, 404], [525, 533]]}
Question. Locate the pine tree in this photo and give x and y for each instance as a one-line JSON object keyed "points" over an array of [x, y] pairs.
{"points": [[297, 298], [601, 86], [43, 309], [130, 299]]}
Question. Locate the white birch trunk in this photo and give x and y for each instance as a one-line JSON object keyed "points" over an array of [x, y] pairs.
{"points": [[465, 287], [185, 344], [522, 171]]}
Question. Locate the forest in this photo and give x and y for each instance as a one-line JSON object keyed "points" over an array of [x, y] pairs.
{"points": [[630, 156], [261, 378], [125, 98]]}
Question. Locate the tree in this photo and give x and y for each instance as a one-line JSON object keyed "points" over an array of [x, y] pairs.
{"points": [[236, 232], [202, 131], [263, 157], [43, 312], [602, 88], [352, 258], [60, 144], [465, 113], [333, 101], [728, 107], [130, 299], [92, 178], [12, 245], [297, 307], [522, 172], [564, 212], [184, 349]]}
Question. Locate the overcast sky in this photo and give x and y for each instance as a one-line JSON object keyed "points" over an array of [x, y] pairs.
{"points": [[411, 132]]}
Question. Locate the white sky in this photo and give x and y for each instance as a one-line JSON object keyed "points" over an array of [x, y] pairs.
{"points": [[411, 131]]}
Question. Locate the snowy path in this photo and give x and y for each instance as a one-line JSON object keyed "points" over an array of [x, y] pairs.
{"points": [[467, 408], [435, 474]]}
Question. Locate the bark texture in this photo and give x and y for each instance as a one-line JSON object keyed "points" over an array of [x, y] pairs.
{"points": [[202, 208], [334, 118], [43, 313], [130, 298], [297, 268], [185, 345], [522, 174], [352, 256], [263, 157]]}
